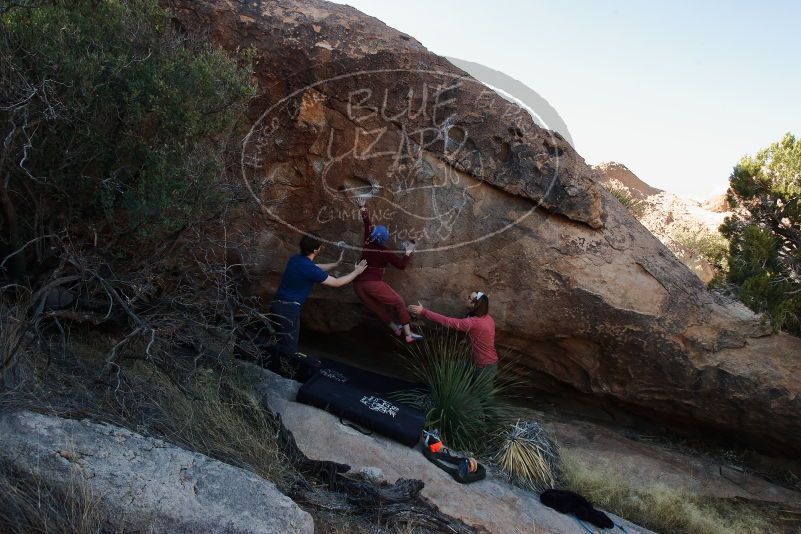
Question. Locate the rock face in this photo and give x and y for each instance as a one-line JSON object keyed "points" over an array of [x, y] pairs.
{"points": [[145, 484], [591, 300], [716, 204], [668, 216], [612, 172], [489, 505]]}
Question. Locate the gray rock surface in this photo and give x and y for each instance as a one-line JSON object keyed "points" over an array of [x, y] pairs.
{"points": [[372, 474], [491, 504], [643, 464], [145, 484]]}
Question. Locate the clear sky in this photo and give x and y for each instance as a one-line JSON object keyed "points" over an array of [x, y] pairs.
{"points": [[677, 91]]}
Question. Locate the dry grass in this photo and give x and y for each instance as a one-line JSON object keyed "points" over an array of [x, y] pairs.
{"points": [[658, 507], [13, 326], [622, 194], [28, 504], [216, 412], [212, 412]]}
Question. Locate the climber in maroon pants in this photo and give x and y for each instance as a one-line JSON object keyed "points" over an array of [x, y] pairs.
{"points": [[370, 286]]}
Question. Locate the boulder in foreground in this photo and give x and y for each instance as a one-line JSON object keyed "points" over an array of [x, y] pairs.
{"points": [[144, 484]]}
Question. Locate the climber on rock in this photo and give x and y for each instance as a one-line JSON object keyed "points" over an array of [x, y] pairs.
{"points": [[479, 326], [370, 286]]}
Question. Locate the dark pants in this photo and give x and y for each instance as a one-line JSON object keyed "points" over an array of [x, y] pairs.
{"points": [[376, 294], [287, 326]]}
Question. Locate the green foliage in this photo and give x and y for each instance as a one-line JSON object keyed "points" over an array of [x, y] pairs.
{"points": [[114, 115], [464, 403], [765, 232], [709, 245], [635, 207]]}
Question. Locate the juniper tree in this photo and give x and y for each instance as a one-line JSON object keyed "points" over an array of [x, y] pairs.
{"points": [[765, 232]]}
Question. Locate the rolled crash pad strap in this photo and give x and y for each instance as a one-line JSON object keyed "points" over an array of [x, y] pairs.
{"points": [[357, 428]]}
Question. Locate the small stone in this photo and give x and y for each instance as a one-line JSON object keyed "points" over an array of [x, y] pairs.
{"points": [[373, 474]]}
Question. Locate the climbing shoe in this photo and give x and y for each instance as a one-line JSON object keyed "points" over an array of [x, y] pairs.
{"points": [[413, 338]]}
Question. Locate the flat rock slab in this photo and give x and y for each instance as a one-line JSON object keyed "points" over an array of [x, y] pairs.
{"points": [[490, 504], [145, 484], [643, 464]]}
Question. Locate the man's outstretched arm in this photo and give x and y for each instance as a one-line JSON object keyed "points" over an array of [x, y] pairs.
{"points": [[328, 266], [339, 281]]}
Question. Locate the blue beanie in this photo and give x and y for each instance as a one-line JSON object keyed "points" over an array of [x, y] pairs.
{"points": [[379, 235]]}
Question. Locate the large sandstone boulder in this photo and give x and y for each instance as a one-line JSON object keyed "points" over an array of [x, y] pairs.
{"points": [[146, 485], [490, 505], [591, 300]]}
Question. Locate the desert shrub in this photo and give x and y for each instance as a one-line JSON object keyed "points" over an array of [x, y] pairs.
{"points": [[636, 207], [463, 403], [704, 243], [764, 233], [527, 455], [657, 507], [115, 179], [113, 121]]}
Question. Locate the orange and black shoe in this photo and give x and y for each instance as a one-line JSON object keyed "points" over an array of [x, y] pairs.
{"points": [[432, 442], [463, 469]]}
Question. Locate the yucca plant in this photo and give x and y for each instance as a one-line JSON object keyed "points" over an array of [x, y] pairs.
{"points": [[528, 456], [462, 402]]}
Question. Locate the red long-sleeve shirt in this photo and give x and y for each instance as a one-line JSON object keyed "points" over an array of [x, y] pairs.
{"points": [[480, 330], [377, 256]]}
